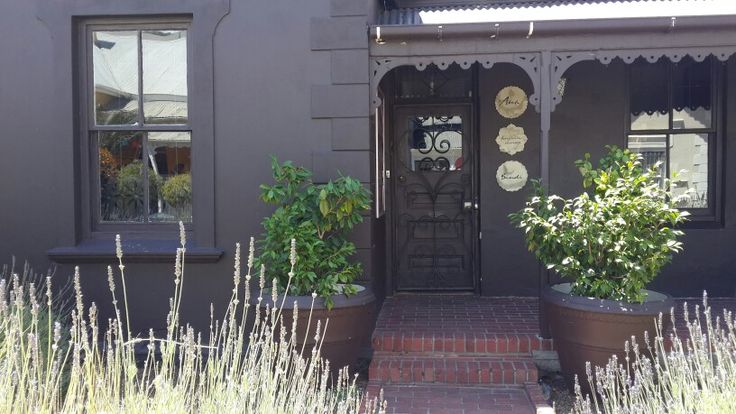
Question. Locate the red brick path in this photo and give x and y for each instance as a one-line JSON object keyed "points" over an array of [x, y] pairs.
{"points": [[466, 354], [457, 354], [410, 399]]}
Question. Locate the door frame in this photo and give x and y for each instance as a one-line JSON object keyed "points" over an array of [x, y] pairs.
{"points": [[473, 127]]}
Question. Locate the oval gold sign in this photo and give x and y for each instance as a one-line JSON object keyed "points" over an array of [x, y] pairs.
{"points": [[511, 102]]}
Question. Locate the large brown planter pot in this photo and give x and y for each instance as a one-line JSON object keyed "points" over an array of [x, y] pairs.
{"points": [[350, 324], [589, 329]]}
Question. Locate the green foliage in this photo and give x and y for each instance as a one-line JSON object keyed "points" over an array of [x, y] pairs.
{"points": [[130, 186], [610, 242], [177, 191], [319, 217]]}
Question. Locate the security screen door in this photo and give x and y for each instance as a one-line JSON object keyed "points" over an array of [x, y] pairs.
{"points": [[435, 205]]}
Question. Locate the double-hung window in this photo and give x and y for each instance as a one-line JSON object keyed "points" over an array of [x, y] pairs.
{"points": [[673, 119], [137, 122]]}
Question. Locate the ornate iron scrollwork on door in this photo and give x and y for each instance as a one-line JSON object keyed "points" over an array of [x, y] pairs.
{"points": [[433, 238], [435, 143]]}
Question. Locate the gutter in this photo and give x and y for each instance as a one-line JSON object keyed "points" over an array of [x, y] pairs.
{"points": [[549, 28]]}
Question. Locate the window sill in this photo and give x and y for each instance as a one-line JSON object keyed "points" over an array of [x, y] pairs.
{"points": [[134, 251]]}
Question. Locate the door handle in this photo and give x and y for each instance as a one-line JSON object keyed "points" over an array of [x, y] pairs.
{"points": [[469, 206]]}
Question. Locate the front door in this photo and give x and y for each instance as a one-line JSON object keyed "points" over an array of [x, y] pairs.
{"points": [[435, 201]]}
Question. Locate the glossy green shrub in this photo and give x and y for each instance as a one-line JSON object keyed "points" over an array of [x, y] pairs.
{"points": [[611, 241], [319, 216]]}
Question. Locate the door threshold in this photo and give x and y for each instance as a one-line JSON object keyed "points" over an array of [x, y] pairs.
{"points": [[443, 293]]}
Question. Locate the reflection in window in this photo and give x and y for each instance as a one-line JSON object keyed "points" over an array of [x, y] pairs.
{"points": [[691, 95], [172, 162], [671, 107], [435, 143], [689, 170], [165, 76], [653, 150], [663, 89], [115, 61], [124, 194], [684, 159], [145, 170], [122, 177], [648, 91]]}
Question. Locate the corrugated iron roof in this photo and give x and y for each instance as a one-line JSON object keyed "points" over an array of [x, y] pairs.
{"points": [[539, 10], [495, 4]]}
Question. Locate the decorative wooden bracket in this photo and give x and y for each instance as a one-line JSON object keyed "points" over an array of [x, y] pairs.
{"points": [[529, 62]]}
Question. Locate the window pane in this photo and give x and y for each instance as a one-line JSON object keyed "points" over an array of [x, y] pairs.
{"points": [[648, 91], [691, 94], [653, 149], [165, 76], [171, 165], [121, 177], [436, 143], [689, 170], [115, 67]]}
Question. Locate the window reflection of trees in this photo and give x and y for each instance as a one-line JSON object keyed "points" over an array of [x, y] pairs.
{"points": [[145, 175]]}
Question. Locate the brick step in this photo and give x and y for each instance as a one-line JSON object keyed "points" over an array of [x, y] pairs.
{"points": [[458, 342], [467, 399], [451, 369]]}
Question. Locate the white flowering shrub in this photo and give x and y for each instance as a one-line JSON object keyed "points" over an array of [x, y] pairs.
{"points": [[692, 373], [235, 367]]}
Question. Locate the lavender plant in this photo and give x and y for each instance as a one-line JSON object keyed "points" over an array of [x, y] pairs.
{"points": [[694, 373], [234, 367]]}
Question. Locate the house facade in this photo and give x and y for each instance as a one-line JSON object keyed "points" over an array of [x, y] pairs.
{"points": [[446, 115]]}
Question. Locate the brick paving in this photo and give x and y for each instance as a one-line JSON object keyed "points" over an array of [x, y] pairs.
{"points": [[444, 354], [459, 324], [457, 354], [414, 399]]}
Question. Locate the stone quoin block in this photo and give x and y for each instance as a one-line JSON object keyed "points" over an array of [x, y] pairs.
{"points": [[339, 101], [349, 66], [349, 7], [351, 134], [338, 33]]}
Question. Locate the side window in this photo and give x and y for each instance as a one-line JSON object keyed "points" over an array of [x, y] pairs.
{"points": [[138, 124], [672, 120]]}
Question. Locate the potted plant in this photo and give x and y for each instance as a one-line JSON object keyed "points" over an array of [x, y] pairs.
{"points": [[319, 217], [177, 193], [610, 242]]}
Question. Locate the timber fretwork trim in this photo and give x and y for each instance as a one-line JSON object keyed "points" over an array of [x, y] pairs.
{"points": [[529, 62], [562, 61]]}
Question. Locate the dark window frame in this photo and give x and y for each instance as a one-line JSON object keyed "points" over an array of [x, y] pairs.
{"points": [[712, 215], [77, 242], [88, 131]]}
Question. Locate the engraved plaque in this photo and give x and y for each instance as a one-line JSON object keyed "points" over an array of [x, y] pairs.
{"points": [[511, 139], [512, 176], [511, 102]]}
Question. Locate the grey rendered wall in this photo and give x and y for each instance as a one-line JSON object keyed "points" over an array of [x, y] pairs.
{"points": [[290, 79], [507, 268]]}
